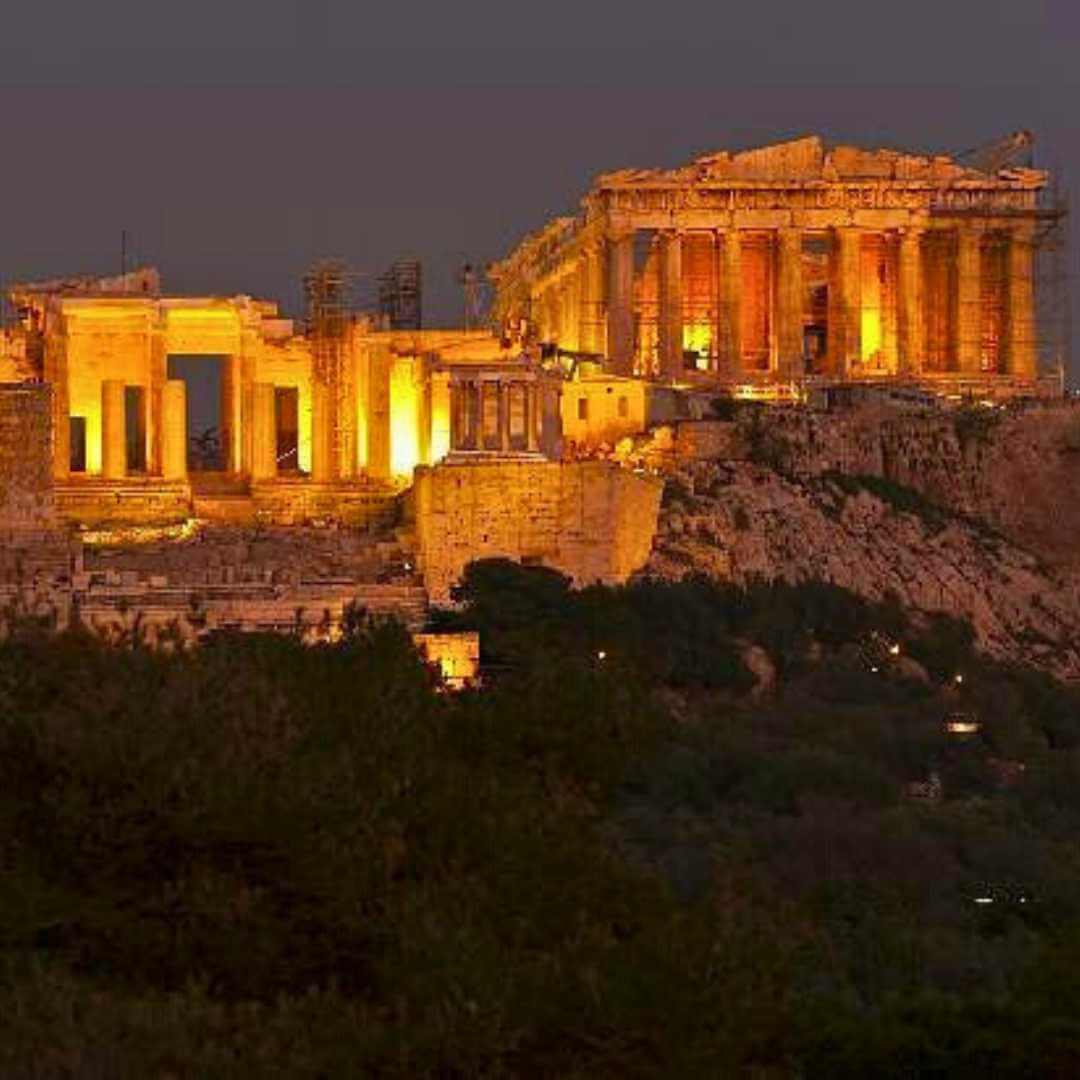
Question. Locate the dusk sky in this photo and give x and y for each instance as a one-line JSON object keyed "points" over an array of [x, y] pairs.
{"points": [[238, 140]]}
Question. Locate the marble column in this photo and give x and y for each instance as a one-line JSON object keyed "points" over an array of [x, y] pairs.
{"points": [[113, 430], [911, 327], [1020, 320], [967, 347], [263, 432], [730, 337], [620, 319], [594, 307], [789, 303], [322, 464], [671, 306], [845, 301], [377, 370], [532, 416], [173, 428]]}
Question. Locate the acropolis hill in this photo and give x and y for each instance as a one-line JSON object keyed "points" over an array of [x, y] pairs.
{"points": [[357, 458]]}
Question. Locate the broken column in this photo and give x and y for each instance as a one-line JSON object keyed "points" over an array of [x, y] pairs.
{"points": [[113, 430]]}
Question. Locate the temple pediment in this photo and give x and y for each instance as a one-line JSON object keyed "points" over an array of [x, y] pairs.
{"points": [[810, 159]]}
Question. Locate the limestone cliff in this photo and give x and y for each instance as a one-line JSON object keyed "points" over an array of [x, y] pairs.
{"points": [[738, 520]]}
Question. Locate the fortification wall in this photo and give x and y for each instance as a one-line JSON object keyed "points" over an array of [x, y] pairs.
{"points": [[26, 487], [591, 520]]}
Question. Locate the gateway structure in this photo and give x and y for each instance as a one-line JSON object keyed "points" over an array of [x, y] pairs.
{"points": [[160, 401], [796, 261]]}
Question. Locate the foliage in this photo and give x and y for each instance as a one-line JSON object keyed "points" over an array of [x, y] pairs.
{"points": [[257, 858]]}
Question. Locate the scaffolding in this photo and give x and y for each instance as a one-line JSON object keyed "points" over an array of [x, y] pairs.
{"points": [[328, 319], [400, 295], [1053, 302]]}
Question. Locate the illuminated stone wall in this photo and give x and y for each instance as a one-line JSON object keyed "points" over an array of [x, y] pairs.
{"points": [[26, 486], [591, 520], [713, 266], [602, 410]]}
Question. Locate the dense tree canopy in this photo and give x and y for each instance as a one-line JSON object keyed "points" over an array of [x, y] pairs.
{"points": [[616, 858]]}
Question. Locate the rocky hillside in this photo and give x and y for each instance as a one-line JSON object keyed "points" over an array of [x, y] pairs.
{"points": [[740, 520]]}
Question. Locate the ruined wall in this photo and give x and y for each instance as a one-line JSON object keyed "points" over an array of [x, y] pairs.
{"points": [[591, 520], [26, 488]]}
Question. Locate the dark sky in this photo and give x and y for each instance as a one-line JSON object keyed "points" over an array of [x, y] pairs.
{"points": [[237, 140]]}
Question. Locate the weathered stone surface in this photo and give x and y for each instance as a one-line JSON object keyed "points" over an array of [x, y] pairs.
{"points": [[591, 520], [26, 485]]}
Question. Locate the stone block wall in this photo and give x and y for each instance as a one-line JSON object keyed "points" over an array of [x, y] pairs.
{"points": [[591, 520], [26, 485]]}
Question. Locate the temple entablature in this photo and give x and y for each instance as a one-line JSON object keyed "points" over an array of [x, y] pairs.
{"points": [[792, 261]]}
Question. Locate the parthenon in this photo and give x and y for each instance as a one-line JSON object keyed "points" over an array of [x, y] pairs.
{"points": [[792, 261]]}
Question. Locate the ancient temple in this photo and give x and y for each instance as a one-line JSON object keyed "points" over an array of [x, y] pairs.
{"points": [[791, 262], [160, 400]]}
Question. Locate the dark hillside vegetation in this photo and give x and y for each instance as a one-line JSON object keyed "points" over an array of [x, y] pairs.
{"points": [[625, 856]]}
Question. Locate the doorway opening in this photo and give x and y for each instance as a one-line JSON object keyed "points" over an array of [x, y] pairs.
{"points": [[207, 426], [77, 439], [135, 428], [287, 428]]}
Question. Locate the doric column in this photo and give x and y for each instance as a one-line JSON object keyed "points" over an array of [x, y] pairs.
{"points": [[322, 466], [671, 306], [789, 303], [158, 365], [263, 432], [620, 319], [593, 307], [173, 427], [845, 301], [1022, 352], [504, 416], [113, 430], [967, 347], [531, 416], [911, 328], [730, 337], [378, 418]]}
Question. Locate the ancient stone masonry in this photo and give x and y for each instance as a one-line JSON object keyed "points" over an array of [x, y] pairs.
{"points": [[26, 483], [591, 520], [792, 261]]}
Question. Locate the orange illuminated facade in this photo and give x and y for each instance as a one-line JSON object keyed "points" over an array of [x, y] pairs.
{"points": [[131, 372], [792, 262]]}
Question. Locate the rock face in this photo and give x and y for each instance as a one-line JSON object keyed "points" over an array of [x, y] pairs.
{"points": [[740, 521], [1018, 471]]}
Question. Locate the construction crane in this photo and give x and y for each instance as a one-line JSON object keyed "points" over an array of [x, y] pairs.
{"points": [[1015, 151]]}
